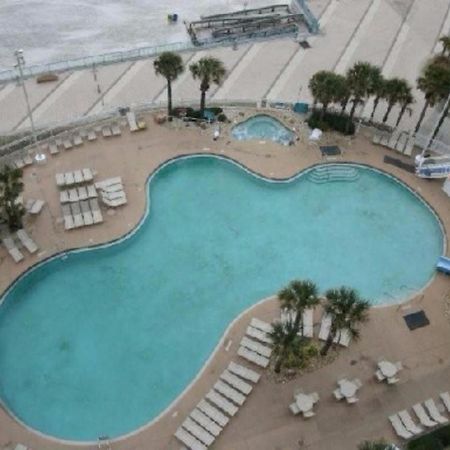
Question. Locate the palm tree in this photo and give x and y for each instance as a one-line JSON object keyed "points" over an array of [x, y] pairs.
{"points": [[379, 93], [11, 186], [405, 101], [342, 92], [346, 310], [362, 79], [283, 337], [208, 70], [380, 444], [324, 87], [434, 82], [298, 296], [170, 66], [396, 90], [445, 40]]}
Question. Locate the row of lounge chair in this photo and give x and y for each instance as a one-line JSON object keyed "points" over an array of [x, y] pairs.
{"points": [[250, 349], [25, 242], [20, 163], [200, 429], [112, 192], [78, 194], [401, 142], [428, 414], [79, 176], [80, 214]]}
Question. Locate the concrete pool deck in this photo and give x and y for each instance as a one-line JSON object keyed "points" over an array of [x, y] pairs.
{"points": [[264, 422]]}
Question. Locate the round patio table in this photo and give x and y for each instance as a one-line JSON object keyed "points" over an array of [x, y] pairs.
{"points": [[304, 402], [348, 389], [387, 368]]}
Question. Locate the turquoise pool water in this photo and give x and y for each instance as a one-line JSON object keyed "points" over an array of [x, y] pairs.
{"points": [[101, 342], [263, 127]]}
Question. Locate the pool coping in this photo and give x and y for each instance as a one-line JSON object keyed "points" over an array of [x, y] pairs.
{"points": [[304, 171]]}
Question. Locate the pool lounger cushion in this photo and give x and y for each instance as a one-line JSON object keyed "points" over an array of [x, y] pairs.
{"points": [[416, 320]]}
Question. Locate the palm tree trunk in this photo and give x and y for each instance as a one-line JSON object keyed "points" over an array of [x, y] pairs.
{"points": [[352, 111], [202, 103], [344, 106], [328, 343], [324, 110], [399, 118], [375, 105], [422, 115], [298, 317], [388, 111], [441, 121], [169, 97]]}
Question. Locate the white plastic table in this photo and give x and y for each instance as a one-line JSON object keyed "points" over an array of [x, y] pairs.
{"points": [[387, 369], [348, 389], [304, 402]]}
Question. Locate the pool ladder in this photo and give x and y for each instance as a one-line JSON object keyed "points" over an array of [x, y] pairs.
{"points": [[103, 443]]}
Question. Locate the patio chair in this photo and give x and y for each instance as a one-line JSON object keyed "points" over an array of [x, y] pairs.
{"points": [[87, 174], [236, 382], [294, 408], [307, 323], [91, 191], [115, 128], [393, 140], [77, 140], [19, 163], [244, 372], [198, 432], [68, 218], [77, 216], [229, 392], [425, 420], [37, 207], [325, 327], [106, 131], [131, 118], [82, 193], [26, 241], [379, 375], [263, 350], [357, 382], [28, 160], [187, 439], [115, 202], [69, 179], [393, 380], [53, 148], [60, 179], [64, 197], [376, 138], [399, 428], [400, 147], [78, 176], [352, 400], [261, 325], [409, 146], [213, 413], [73, 195], [222, 402], [86, 213], [308, 414], [445, 397], [67, 143], [315, 397], [92, 135], [434, 411], [409, 422], [209, 425], [95, 209], [338, 394]]}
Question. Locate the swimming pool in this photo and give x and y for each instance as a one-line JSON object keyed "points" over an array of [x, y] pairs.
{"points": [[263, 127], [102, 341]]}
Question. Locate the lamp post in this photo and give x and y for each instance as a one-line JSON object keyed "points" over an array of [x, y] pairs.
{"points": [[20, 63]]}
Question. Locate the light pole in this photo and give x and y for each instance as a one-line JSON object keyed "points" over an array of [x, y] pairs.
{"points": [[20, 63]]}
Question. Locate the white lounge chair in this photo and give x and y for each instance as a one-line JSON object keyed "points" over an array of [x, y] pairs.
{"points": [[198, 432], [445, 397], [434, 411], [28, 160], [425, 420], [68, 218], [253, 357], [73, 195], [244, 372], [409, 147], [67, 143], [12, 249], [376, 138], [325, 327], [222, 402], [287, 316], [53, 148], [230, 393], [26, 241], [78, 176], [95, 209], [400, 147], [116, 202], [113, 195], [256, 347], [308, 323], [69, 179], [261, 325], [393, 140], [86, 213], [393, 380], [37, 207], [187, 439], [82, 193], [113, 188], [131, 118], [91, 191], [64, 197], [108, 182], [259, 335], [106, 131], [207, 423], [294, 408], [92, 135], [399, 427], [77, 140], [115, 128], [407, 420], [60, 179], [213, 413], [77, 216], [236, 382], [19, 163], [379, 375], [342, 338], [87, 174]]}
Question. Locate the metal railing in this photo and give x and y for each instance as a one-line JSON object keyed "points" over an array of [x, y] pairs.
{"points": [[312, 22]]}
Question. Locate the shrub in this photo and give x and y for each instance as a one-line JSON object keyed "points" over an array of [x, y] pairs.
{"points": [[436, 440], [215, 110], [331, 121], [222, 117]]}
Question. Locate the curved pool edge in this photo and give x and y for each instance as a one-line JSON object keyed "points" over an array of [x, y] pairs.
{"points": [[139, 224]]}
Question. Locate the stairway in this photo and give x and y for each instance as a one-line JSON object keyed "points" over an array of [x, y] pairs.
{"points": [[333, 172]]}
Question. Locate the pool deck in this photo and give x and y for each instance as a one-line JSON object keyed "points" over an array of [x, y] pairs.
{"points": [[264, 422]]}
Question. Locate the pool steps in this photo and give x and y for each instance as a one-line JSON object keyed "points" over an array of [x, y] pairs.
{"points": [[336, 172]]}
